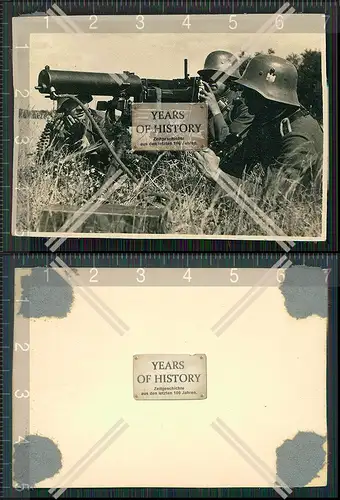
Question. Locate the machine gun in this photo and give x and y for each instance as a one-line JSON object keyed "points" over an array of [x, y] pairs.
{"points": [[123, 88]]}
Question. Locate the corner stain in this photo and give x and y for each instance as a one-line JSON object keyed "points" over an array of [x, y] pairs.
{"points": [[35, 460], [299, 460], [305, 292], [52, 298]]}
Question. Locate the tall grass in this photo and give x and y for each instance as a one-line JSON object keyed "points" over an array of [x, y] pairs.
{"points": [[196, 205]]}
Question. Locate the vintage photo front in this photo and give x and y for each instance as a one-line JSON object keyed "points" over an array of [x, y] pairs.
{"points": [[204, 127]]}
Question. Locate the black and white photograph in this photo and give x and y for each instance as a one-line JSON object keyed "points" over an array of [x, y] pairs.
{"points": [[179, 127]]}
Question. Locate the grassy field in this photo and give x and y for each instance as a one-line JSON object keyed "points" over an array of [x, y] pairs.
{"points": [[197, 206]]}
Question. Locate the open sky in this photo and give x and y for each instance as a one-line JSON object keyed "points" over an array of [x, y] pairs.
{"points": [[157, 55]]}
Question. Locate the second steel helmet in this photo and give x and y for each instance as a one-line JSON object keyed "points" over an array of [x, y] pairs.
{"points": [[223, 61], [272, 77], [62, 102]]}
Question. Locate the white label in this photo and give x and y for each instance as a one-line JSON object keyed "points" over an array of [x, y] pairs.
{"points": [[169, 127], [169, 376]]}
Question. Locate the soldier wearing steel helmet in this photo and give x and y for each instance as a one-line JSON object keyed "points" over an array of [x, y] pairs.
{"points": [[228, 113], [283, 138]]}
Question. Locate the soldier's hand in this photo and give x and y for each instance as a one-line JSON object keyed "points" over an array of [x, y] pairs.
{"points": [[59, 124], [206, 95], [207, 163], [59, 127], [75, 127]]}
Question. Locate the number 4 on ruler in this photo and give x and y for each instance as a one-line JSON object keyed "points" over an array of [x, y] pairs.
{"points": [[187, 275], [21, 440]]}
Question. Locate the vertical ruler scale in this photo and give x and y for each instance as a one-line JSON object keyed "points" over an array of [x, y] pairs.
{"points": [[22, 135], [5, 423], [21, 388], [15, 386], [5, 118]]}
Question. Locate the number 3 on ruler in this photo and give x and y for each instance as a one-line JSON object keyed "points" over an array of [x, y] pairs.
{"points": [[23, 394], [140, 22], [140, 275]]}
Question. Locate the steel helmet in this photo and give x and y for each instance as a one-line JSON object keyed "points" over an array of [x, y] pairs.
{"points": [[272, 77], [220, 60]]}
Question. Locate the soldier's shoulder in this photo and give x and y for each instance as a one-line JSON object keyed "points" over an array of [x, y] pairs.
{"points": [[306, 121], [97, 113], [302, 135], [231, 95], [237, 97], [98, 116]]}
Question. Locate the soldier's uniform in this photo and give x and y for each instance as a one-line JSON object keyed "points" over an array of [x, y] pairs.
{"points": [[289, 146], [81, 136], [234, 118]]}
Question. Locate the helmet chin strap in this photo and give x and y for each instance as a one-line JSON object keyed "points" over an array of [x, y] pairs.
{"points": [[286, 110], [273, 116], [271, 113]]}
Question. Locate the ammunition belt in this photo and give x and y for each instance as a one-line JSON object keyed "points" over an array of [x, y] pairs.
{"points": [[45, 140]]}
